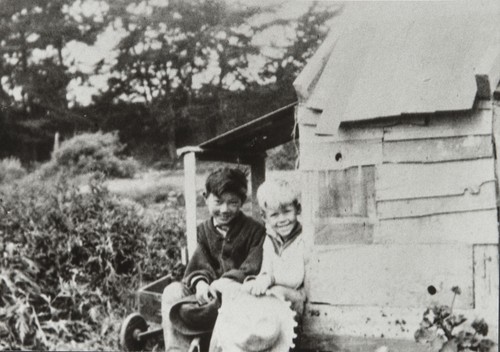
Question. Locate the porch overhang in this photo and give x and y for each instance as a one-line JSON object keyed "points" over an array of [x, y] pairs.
{"points": [[250, 140]]}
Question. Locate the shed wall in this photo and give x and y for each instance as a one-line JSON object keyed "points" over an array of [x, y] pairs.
{"points": [[397, 209]]}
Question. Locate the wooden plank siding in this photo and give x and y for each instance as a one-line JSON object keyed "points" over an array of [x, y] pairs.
{"points": [[438, 150], [378, 326], [340, 155], [393, 208], [398, 275], [467, 227], [484, 199], [453, 124], [407, 181]]}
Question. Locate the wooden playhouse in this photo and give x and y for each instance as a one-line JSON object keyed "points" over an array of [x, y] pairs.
{"points": [[398, 121]]}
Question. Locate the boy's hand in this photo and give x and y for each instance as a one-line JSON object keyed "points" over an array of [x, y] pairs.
{"points": [[204, 293], [224, 285], [259, 286]]}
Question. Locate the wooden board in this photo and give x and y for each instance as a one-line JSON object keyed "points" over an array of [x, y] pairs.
{"points": [[486, 277], [486, 286], [496, 138], [346, 193], [309, 196], [341, 155], [485, 199], [440, 149], [469, 227], [373, 323], [396, 275], [343, 231], [308, 134], [452, 124], [307, 117], [403, 181], [334, 343]]}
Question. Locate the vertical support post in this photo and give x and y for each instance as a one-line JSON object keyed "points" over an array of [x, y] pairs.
{"points": [[258, 175], [190, 198]]}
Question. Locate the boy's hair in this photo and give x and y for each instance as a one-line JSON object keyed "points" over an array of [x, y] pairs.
{"points": [[227, 180], [276, 193]]}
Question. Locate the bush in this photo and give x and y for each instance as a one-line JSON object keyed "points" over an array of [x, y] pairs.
{"points": [[10, 170], [70, 263], [91, 152]]}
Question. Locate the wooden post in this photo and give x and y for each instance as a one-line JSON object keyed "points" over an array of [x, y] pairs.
{"points": [[190, 198], [258, 175]]}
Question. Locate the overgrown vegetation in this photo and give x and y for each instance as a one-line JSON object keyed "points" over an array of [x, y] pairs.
{"points": [[92, 152], [71, 261]]}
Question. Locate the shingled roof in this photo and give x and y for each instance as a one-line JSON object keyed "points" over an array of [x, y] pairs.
{"points": [[385, 59]]}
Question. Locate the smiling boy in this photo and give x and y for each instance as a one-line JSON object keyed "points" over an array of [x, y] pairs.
{"points": [[283, 264], [229, 248]]}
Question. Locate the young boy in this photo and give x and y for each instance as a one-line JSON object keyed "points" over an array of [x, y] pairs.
{"points": [[283, 264], [229, 249]]}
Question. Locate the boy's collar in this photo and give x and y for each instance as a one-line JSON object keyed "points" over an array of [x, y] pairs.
{"points": [[279, 241], [226, 227]]}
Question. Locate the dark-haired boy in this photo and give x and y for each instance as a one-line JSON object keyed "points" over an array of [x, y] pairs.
{"points": [[229, 248]]}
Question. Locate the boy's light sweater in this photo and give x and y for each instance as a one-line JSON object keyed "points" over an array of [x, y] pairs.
{"points": [[284, 260]]}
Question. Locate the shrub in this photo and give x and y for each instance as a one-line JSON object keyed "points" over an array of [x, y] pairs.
{"points": [[444, 331], [91, 152], [10, 170], [70, 262]]}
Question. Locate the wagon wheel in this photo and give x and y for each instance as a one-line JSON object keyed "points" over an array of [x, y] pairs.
{"points": [[132, 326]]}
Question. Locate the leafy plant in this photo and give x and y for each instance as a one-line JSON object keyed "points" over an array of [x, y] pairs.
{"points": [[70, 262], [438, 328]]}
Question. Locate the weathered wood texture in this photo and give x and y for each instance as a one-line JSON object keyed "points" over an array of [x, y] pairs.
{"points": [[190, 198], [397, 208], [346, 193], [396, 275], [466, 227], [486, 276], [484, 199], [344, 231], [404, 181], [453, 124], [438, 150], [340, 155], [378, 326], [333, 343], [496, 138]]}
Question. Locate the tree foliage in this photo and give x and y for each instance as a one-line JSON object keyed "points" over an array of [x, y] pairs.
{"points": [[33, 69], [185, 70]]}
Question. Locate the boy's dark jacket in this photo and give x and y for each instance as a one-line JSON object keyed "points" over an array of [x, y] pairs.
{"points": [[235, 256]]}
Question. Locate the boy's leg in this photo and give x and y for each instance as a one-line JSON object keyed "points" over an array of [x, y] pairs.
{"points": [[174, 341]]}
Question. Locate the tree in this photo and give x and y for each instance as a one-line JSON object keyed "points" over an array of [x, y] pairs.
{"points": [[32, 67], [178, 57]]}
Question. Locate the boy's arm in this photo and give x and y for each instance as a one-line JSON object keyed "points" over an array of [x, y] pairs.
{"points": [[251, 265], [267, 251], [199, 266]]}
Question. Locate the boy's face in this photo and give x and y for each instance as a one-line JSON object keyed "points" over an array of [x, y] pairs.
{"points": [[282, 219], [224, 208]]}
